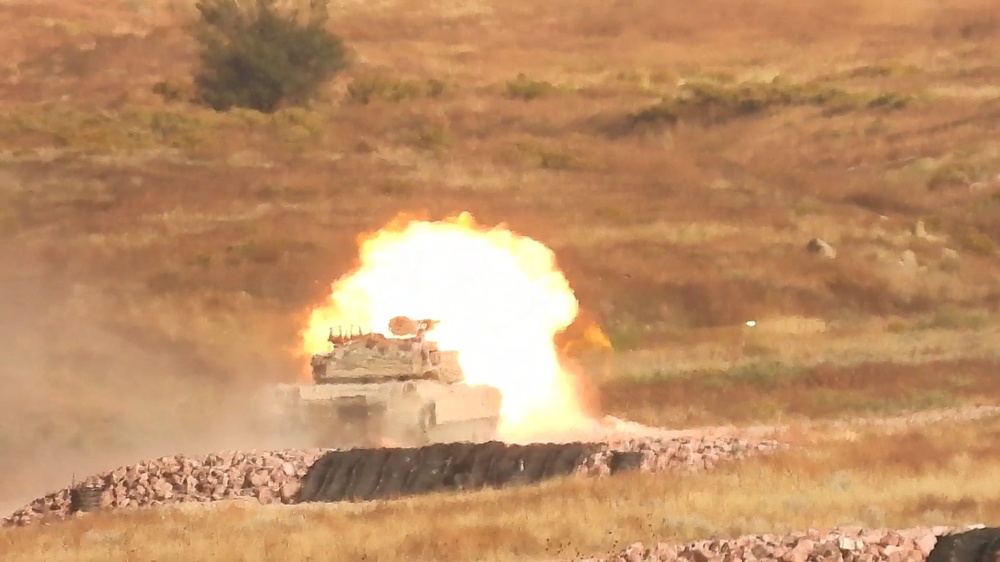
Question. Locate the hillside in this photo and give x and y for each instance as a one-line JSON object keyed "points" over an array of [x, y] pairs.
{"points": [[159, 260]]}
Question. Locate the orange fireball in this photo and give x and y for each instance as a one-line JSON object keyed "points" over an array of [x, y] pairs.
{"points": [[500, 300]]}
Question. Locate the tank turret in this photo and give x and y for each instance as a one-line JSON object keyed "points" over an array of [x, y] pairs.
{"points": [[359, 356]]}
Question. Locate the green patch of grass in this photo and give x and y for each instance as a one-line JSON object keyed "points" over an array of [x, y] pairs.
{"points": [[433, 136], [846, 402], [144, 128], [880, 70], [382, 87], [715, 102], [294, 124], [760, 374], [626, 336], [953, 318], [105, 130], [524, 88], [546, 156]]}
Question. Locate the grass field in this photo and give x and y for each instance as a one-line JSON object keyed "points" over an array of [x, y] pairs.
{"points": [[158, 259]]}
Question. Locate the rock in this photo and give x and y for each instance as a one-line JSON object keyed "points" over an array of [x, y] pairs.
{"points": [[163, 490], [665, 551], [257, 479], [846, 543], [288, 492], [801, 551], [636, 552], [851, 531], [850, 544], [925, 544], [821, 248], [265, 495]]}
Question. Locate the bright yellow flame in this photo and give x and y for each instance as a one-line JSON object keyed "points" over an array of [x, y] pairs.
{"points": [[500, 300]]}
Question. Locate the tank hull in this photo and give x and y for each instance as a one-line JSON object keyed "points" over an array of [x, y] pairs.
{"points": [[407, 414]]}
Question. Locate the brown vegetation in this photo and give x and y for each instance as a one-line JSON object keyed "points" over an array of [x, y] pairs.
{"points": [[677, 159], [697, 215], [766, 391]]}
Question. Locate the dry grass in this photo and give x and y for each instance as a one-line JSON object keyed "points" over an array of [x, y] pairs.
{"points": [[677, 160], [947, 474], [768, 391]]}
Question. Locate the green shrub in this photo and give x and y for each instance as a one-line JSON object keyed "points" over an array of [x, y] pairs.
{"points": [[259, 58]]}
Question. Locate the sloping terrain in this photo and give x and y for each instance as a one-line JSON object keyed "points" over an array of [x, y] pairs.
{"points": [[829, 171]]}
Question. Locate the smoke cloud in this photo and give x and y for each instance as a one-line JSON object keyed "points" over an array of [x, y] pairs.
{"points": [[81, 395]]}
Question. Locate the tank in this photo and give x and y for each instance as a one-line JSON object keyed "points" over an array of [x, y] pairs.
{"points": [[400, 389]]}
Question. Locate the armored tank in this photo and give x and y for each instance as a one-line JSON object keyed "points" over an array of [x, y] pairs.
{"points": [[372, 389]]}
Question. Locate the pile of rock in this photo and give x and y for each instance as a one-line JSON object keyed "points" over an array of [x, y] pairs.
{"points": [[277, 476], [844, 544], [689, 454], [268, 477]]}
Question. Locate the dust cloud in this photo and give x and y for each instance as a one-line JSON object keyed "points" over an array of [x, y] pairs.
{"points": [[81, 396]]}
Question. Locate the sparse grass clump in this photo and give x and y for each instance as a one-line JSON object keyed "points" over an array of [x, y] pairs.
{"points": [[382, 87], [259, 58], [545, 156], [524, 88], [133, 128], [882, 70], [432, 136], [950, 317], [976, 241], [951, 174]]}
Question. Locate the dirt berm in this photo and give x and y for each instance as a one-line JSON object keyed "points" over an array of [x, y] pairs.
{"points": [[291, 476], [368, 474]]}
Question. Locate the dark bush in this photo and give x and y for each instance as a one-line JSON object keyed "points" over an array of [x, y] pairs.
{"points": [[257, 57]]}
